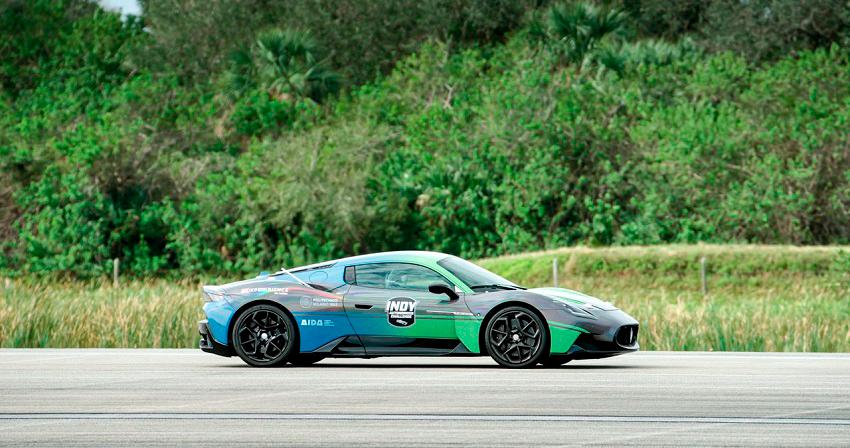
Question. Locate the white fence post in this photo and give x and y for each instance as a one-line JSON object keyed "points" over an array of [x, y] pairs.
{"points": [[702, 276], [115, 264]]}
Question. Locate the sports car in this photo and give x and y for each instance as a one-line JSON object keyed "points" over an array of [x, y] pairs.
{"points": [[407, 303]]}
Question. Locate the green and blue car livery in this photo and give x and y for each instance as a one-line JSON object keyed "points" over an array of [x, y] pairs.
{"points": [[407, 303]]}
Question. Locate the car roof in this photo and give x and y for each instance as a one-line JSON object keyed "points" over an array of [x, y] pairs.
{"points": [[399, 256]]}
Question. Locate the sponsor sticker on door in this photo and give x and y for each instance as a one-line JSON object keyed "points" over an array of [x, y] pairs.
{"points": [[317, 323], [401, 311]]}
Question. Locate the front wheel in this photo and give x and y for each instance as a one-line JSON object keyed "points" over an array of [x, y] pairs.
{"points": [[264, 336], [516, 337]]}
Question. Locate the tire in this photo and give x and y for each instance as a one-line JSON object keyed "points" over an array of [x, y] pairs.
{"points": [[556, 361], [305, 359], [264, 336], [516, 337]]}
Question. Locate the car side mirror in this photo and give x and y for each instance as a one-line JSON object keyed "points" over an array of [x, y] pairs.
{"points": [[441, 288]]}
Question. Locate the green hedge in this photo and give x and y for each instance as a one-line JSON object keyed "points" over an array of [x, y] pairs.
{"points": [[724, 263]]}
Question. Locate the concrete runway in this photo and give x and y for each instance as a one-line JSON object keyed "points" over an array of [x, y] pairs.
{"points": [[188, 398]]}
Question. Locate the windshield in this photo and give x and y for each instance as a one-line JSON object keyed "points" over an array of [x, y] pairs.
{"points": [[471, 274]]}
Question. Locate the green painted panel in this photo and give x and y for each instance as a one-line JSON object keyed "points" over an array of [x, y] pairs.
{"points": [[562, 339], [427, 328], [467, 331], [568, 326]]}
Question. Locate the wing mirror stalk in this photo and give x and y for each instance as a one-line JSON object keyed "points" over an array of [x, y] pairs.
{"points": [[440, 288]]}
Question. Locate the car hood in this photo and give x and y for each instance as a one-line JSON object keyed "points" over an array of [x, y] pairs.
{"points": [[575, 297]]}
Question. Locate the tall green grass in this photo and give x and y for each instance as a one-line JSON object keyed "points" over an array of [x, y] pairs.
{"points": [[760, 298], [140, 313]]}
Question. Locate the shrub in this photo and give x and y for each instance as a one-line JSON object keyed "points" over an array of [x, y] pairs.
{"points": [[475, 150], [771, 29]]}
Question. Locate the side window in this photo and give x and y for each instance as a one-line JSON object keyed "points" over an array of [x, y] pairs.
{"points": [[349, 276], [396, 276]]}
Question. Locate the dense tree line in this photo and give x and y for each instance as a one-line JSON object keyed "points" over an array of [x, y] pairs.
{"points": [[238, 135]]}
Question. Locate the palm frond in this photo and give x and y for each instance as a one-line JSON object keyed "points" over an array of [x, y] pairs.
{"points": [[579, 27], [286, 62], [241, 71]]}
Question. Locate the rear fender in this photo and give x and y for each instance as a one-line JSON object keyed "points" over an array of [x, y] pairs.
{"points": [[318, 315]]}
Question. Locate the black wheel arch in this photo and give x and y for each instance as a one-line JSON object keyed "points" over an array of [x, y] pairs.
{"points": [[482, 346], [252, 303]]}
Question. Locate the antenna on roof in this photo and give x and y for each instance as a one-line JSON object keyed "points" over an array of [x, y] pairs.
{"points": [[286, 271]]}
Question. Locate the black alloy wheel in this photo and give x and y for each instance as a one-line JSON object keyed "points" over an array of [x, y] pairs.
{"points": [[264, 336], [516, 337]]}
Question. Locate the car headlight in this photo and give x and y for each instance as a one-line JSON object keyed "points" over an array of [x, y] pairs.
{"points": [[583, 310]]}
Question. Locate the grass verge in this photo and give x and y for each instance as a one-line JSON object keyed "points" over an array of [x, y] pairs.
{"points": [[760, 298]]}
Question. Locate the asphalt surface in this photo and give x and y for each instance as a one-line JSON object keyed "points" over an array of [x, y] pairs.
{"points": [[187, 398]]}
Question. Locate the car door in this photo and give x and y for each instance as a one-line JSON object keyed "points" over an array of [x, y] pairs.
{"points": [[390, 308]]}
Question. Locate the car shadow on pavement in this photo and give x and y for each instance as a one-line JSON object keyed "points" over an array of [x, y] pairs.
{"points": [[443, 366], [375, 366]]}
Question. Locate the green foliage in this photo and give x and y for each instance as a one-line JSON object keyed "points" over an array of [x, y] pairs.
{"points": [[502, 162], [288, 201], [749, 154], [157, 149], [770, 29], [667, 19], [366, 38], [760, 30], [285, 64], [277, 82], [44, 39], [631, 56], [585, 35], [579, 27]]}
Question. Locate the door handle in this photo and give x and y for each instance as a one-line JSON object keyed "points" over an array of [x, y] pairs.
{"points": [[362, 306]]}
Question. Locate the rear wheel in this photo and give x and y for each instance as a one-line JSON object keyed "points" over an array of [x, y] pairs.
{"points": [[305, 359], [516, 337], [264, 336]]}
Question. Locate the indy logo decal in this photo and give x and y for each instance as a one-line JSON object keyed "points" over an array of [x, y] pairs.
{"points": [[401, 311]]}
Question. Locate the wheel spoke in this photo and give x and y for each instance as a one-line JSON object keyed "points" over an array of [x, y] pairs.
{"points": [[515, 323], [254, 344], [531, 335], [500, 341], [273, 345]]}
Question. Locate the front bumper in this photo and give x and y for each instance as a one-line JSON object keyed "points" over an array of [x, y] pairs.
{"points": [[208, 344], [589, 346]]}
